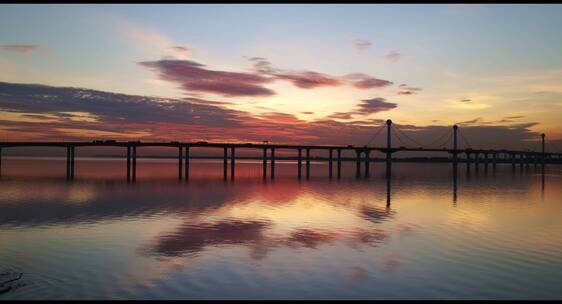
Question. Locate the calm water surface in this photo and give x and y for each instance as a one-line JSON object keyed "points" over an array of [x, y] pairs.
{"points": [[496, 235]]}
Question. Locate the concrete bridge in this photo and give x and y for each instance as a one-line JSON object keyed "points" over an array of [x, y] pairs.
{"points": [[362, 154]]}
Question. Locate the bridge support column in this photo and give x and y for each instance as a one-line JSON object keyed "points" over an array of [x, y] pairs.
{"points": [[476, 161], [224, 162], [180, 163], [330, 164], [367, 159], [264, 163], [0, 162], [542, 148], [486, 161], [186, 163], [134, 163], [128, 163], [494, 161], [307, 163], [339, 163], [68, 162], [358, 163], [232, 162], [512, 157], [72, 162], [299, 164], [272, 163], [455, 156], [388, 142]]}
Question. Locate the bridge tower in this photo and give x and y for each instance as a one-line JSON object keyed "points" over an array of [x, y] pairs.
{"points": [[388, 146], [542, 150], [455, 129], [388, 140]]}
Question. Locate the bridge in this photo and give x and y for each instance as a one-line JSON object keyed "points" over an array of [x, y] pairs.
{"points": [[362, 154]]}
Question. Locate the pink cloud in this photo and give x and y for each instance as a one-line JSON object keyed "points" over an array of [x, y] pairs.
{"points": [[22, 49], [309, 80], [194, 77]]}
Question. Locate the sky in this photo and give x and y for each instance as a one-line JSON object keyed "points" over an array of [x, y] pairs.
{"points": [[286, 73]]}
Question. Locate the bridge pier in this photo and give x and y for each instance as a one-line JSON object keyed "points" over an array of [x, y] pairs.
{"points": [[67, 162], [73, 163], [512, 157], [0, 162], [486, 161], [358, 164], [307, 163], [180, 163], [232, 162], [272, 162], [339, 163], [299, 164], [134, 163], [224, 162], [388, 142], [186, 163], [70, 162], [128, 163], [330, 164], [264, 163], [455, 129], [367, 162], [494, 160], [468, 160], [476, 162]]}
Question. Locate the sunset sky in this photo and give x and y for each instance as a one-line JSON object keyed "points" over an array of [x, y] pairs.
{"points": [[322, 74]]}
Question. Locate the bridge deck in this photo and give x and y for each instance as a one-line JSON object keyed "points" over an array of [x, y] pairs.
{"points": [[262, 146]]}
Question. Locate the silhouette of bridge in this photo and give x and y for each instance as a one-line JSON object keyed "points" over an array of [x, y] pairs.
{"points": [[362, 154]]}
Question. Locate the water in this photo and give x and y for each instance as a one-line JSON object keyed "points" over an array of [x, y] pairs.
{"points": [[98, 237]]}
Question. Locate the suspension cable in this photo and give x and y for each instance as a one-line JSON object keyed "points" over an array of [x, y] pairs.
{"points": [[408, 137], [464, 139], [397, 136], [439, 139], [376, 134]]}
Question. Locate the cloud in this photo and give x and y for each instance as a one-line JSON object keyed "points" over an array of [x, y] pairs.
{"points": [[375, 105], [363, 81], [341, 115], [393, 56], [20, 48], [361, 44], [365, 107], [406, 90], [466, 100], [301, 79], [311, 79], [194, 77], [179, 48], [28, 112]]}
